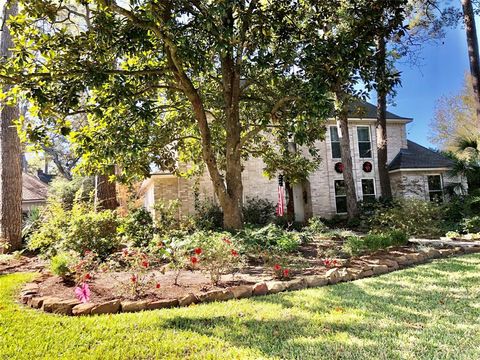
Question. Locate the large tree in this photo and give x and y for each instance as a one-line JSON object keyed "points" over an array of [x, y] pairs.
{"points": [[173, 81], [10, 155]]}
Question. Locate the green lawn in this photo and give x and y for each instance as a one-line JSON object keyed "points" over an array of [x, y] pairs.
{"points": [[429, 312]]}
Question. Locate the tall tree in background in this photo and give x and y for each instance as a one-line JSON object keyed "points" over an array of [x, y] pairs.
{"points": [[10, 153], [473, 55]]}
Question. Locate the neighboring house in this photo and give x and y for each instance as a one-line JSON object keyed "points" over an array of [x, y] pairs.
{"points": [[34, 192], [415, 171]]}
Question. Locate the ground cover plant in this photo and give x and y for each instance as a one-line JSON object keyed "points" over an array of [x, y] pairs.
{"points": [[430, 311]]}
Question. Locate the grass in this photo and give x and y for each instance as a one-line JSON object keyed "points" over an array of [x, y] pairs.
{"points": [[428, 312]]}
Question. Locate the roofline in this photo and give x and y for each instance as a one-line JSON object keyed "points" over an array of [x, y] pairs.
{"points": [[390, 120], [420, 169]]}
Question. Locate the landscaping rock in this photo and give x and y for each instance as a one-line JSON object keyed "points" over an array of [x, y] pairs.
{"points": [[35, 302], [333, 276], [109, 307], [401, 260], [276, 286], [316, 280], [412, 258], [215, 295], [188, 300], [345, 275], [390, 263], [260, 289], [83, 309], [26, 298], [296, 284], [162, 304], [58, 306], [472, 249], [445, 252], [241, 291], [367, 273], [30, 288], [134, 306], [380, 269]]}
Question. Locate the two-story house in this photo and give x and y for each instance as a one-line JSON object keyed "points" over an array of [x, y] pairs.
{"points": [[415, 171]]}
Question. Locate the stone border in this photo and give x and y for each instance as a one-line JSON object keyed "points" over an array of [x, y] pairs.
{"points": [[361, 267]]}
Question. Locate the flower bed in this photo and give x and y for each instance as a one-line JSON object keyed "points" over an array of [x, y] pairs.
{"points": [[51, 295]]}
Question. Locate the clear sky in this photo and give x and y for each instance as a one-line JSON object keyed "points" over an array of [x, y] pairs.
{"points": [[441, 72]]}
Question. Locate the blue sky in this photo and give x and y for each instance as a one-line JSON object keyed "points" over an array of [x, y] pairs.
{"points": [[440, 73]]}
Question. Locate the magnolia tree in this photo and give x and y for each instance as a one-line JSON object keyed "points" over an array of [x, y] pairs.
{"points": [[204, 83]]}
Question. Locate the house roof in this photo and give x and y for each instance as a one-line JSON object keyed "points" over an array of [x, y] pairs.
{"points": [[365, 110], [419, 157], [33, 189]]}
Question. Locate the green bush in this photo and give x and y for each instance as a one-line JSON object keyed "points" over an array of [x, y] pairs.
{"points": [[355, 245], [471, 224], [93, 231], [413, 217], [137, 227], [167, 216], [258, 211], [31, 224], [79, 189], [316, 226], [208, 216], [60, 264], [270, 237]]}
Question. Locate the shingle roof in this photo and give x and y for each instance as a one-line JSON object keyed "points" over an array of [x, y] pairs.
{"points": [[365, 110], [419, 157], [33, 189]]}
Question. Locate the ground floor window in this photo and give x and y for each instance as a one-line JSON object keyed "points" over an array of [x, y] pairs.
{"points": [[435, 189], [368, 190], [340, 197]]}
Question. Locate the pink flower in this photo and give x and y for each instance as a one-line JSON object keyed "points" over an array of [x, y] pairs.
{"points": [[198, 251], [277, 267], [83, 293], [234, 253]]}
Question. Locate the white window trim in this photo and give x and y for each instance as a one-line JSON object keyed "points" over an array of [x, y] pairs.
{"points": [[374, 187], [358, 142], [441, 186], [330, 141], [335, 197]]}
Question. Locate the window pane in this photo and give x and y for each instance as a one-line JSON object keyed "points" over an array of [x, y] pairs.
{"points": [[341, 203], [436, 196], [334, 134], [365, 150], [340, 188], [363, 134], [434, 183], [368, 187], [336, 153]]}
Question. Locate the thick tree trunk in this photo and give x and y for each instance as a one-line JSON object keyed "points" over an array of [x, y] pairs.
{"points": [[473, 55], [105, 192], [10, 161], [381, 125], [342, 114]]}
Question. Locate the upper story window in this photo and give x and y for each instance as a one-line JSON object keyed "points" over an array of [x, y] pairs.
{"points": [[435, 189], [340, 197], [335, 141], [364, 143], [368, 190]]}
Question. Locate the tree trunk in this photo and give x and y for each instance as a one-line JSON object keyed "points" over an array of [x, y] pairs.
{"points": [[105, 192], [473, 56], [381, 125], [10, 161], [342, 114]]}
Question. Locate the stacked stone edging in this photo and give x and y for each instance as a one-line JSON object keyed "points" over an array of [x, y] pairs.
{"points": [[358, 268]]}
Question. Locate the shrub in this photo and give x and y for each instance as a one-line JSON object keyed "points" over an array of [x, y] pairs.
{"points": [[79, 189], [93, 231], [208, 216], [471, 224], [413, 217], [258, 211], [270, 237], [316, 226], [31, 224], [355, 245], [137, 227], [60, 265], [167, 216]]}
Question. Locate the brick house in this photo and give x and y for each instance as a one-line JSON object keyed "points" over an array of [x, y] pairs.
{"points": [[415, 171]]}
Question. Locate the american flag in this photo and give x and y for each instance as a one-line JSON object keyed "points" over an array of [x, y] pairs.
{"points": [[281, 202]]}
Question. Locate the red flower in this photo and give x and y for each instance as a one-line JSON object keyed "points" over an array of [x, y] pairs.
{"points": [[326, 262], [133, 279], [157, 285], [198, 251], [286, 272], [277, 267], [145, 264], [193, 260], [234, 253], [88, 276], [125, 252], [227, 240]]}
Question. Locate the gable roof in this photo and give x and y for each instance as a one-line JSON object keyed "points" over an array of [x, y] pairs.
{"points": [[365, 110], [33, 189], [419, 157]]}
